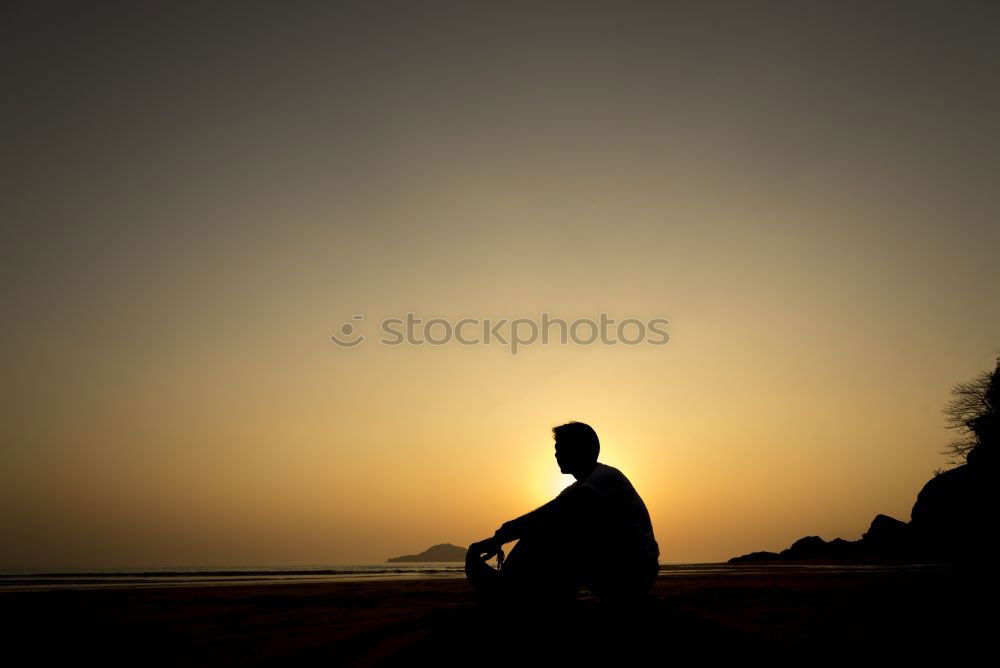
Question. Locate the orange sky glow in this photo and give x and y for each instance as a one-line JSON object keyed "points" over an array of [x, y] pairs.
{"points": [[201, 201]]}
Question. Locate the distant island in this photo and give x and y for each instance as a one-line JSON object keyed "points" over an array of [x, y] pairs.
{"points": [[442, 552]]}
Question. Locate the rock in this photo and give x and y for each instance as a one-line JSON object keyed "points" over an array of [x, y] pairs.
{"points": [[889, 536], [951, 522], [810, 547], [953, 514]]}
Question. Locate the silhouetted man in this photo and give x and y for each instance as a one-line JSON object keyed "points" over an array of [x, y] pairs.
{"points": [[596, 533]]}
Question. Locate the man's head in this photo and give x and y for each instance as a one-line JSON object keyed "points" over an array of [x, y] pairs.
{"points": [[577, 446]]}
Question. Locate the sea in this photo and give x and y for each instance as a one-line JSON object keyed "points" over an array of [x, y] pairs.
{"points": [[68, 578]]}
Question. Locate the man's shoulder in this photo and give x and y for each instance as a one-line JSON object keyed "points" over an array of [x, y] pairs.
{"points": [[606, 479], [569, 489], [609, 472]]}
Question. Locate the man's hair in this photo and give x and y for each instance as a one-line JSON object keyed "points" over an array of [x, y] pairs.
{"points": [[578, 435]]}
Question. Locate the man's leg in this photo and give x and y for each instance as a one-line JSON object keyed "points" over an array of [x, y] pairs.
{"points": [[539, 569], [542, 568], [484, 578], [627, 585]]}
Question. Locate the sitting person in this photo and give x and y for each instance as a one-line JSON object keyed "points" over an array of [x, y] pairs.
{"points": [[595, 533]]}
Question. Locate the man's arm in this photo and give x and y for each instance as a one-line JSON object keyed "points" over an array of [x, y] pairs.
{"points": [[575, 505]]}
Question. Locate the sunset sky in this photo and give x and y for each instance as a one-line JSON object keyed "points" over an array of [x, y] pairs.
{"points": [[195, 200]]}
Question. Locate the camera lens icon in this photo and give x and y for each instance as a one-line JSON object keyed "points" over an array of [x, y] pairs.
{"points": [[347, 331]]}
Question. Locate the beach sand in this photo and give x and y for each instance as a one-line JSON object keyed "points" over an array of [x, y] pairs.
{"points": [[739, 614]]}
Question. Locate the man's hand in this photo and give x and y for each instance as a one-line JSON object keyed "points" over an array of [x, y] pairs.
{"points": [[489, 546]]}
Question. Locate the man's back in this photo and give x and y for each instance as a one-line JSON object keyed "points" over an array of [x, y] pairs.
{"points": [[617, 524]]}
